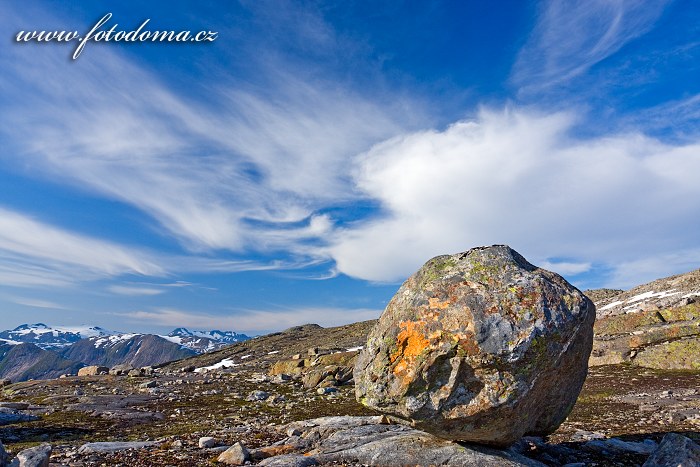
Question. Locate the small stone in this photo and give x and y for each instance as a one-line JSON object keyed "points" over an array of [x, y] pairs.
{"points": [[38, 456], [258, 396], [122, 369], [4, 456], [207, 442], [582, 435], [237, 454]]}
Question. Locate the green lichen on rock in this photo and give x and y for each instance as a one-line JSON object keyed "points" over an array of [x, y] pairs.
{"points": [[680, 354], [472, 337]]}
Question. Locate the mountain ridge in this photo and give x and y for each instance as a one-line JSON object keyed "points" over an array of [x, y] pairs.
{"points": [[39, 351]]}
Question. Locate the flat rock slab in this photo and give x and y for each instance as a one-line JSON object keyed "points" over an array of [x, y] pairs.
{"points": [[289, 460], [365, 440], [15, 405], [114, 446], [111, 402], [9, 416], [675, 451]]}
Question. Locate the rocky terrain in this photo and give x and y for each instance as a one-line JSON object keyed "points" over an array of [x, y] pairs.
{"points": [[621, 415], [655, 325], [289, 399]]}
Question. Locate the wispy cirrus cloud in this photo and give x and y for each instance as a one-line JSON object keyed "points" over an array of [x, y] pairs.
{"points": [[245, 168], [34, 252], [252, 320], [681, 116], [35, 302], [571, 37], [135, 291]]}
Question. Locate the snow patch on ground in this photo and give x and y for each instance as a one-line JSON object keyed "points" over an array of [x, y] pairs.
{"points": [[652, 294], [225, 363], [611, 305], [633, 304]]}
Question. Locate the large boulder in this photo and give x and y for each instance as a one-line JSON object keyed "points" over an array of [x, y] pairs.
{"points": [[479, 346], [93, 370]]}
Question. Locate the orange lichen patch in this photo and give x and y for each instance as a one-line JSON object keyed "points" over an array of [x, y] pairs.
{"points": [[271, 451], [435, 303], [410, 343]]}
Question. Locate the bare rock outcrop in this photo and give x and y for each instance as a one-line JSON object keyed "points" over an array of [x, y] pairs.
{"points": [[479, 346], [655, 325], [93, 370]]}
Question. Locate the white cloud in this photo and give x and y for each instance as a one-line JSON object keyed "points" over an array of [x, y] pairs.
{"points": [[37, 250], [135, 291], [572, 36], [565, 267], [34, 253], [520, 178], [244, 168], [682, 115], [647, 268], [253, 320], [36, 303]]}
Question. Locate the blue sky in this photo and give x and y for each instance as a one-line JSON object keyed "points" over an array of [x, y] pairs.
{"points": [[299, 167]]}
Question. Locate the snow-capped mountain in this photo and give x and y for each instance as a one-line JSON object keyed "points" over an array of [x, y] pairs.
{"points": [[41, 351], [48, 337], [204, 341], [136, 350]]}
